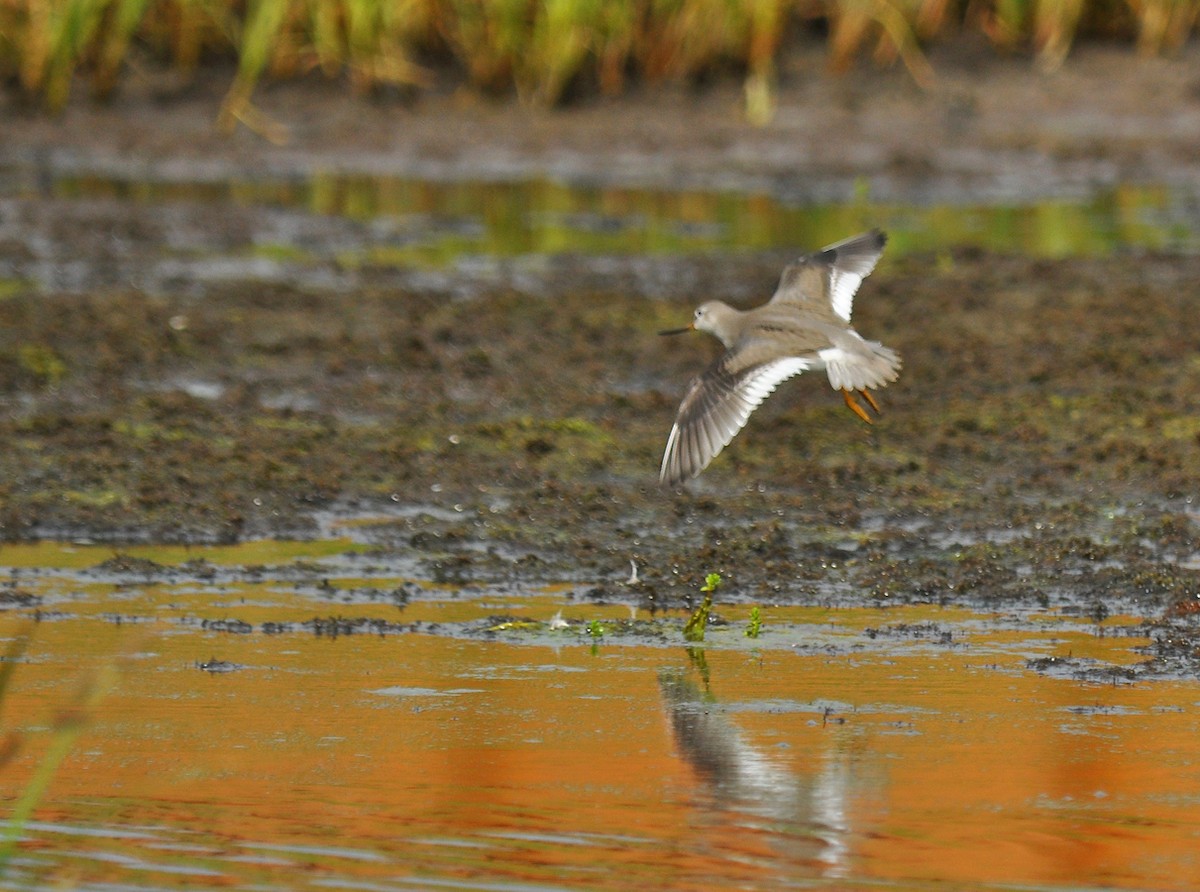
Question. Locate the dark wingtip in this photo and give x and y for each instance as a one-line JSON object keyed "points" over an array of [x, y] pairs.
{"points": [[876, 236]]}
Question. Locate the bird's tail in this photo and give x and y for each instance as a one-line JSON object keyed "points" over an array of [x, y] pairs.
{"points": [[870, 366]]}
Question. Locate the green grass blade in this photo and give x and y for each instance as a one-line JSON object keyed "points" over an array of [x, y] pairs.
{"points": [[258, 39], [125, 21], [69, 724]]}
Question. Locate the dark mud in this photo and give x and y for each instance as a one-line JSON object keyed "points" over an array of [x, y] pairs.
{"points": [[1041, 448]]}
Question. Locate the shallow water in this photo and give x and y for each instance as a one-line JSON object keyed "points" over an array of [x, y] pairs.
{"points": [[446, 220], [317, 230], [473, 743]]}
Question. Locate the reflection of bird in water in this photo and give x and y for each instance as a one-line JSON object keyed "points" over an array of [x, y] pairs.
{"points": [[808, 814], [804, 326], [732, 768]]}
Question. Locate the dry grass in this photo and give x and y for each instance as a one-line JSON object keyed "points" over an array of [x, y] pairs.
{"points": [[536, 49]]}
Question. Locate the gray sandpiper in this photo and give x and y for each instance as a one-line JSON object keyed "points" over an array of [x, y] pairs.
{"points": [[805, 325]]}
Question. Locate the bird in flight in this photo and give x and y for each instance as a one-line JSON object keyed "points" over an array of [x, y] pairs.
{"points": [[805, 325]]}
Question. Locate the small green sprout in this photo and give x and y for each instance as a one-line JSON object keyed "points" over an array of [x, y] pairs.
{"points": [[595, 631], [694, 630], [754, 627]]}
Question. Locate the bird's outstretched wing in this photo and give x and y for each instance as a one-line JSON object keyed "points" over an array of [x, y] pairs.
{"points": [[829, 278], [718, 404]]}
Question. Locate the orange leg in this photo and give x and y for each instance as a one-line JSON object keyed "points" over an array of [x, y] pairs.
{"points": [[854, 407], [870, 399]]}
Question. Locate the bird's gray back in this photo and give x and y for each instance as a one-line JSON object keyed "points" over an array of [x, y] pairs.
{"points": [[783, 330]]}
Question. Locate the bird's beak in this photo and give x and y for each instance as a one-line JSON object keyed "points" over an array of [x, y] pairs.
{"points": [[675, 331]]}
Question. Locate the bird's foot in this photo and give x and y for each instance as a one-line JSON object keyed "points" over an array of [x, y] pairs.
{"points": [[856, 408], [870, 399]]}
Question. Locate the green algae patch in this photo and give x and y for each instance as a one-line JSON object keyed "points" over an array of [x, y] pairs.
{"points": [[284, 253], [96, 498], [11, 287], [42, 363], [565, 444]]}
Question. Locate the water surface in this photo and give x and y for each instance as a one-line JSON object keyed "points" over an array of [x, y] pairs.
{"points": [[845, 748], [293, 228]]}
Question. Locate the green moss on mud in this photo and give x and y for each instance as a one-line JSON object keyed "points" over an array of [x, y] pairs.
{"points": [[1021, 458]]}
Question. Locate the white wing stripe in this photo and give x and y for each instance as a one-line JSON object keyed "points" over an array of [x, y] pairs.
{"points": [[843, 285]]}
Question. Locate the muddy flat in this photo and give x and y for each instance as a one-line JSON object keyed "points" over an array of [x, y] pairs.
{"points": [[331, 524], [440, 318]]}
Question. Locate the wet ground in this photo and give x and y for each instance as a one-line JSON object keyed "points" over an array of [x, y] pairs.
{"points": [[500, 417], [425, 336]]}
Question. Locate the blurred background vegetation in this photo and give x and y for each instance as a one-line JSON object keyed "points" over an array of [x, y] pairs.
{"points": [[541, 51]]}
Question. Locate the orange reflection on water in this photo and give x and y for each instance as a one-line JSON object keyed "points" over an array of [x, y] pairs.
{"points": [[408, 759]]}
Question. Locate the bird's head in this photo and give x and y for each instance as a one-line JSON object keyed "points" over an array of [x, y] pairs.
{"points": [[707, 318]]}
